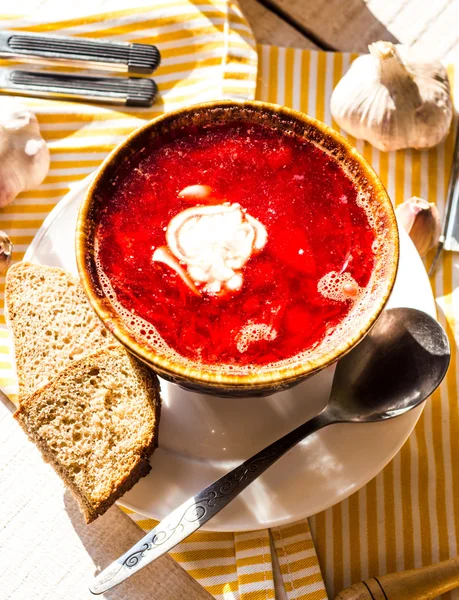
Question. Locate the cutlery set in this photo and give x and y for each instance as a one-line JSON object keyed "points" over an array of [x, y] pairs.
{"points": [[133, 59]]}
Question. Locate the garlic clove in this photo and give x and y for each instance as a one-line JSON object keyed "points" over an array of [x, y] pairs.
{"points": [[24, 156], [421, 220], [6, 251], [394, 99]]}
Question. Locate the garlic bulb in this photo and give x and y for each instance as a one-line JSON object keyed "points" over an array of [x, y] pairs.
{"points": [[421, 220], [6, 251], [394, 99], [24, 156]]}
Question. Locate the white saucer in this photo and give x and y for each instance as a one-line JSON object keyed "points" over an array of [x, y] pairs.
{"points": [[202, 437]]}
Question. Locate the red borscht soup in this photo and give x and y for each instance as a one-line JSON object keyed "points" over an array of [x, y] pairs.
{"points": [[234, 246]]}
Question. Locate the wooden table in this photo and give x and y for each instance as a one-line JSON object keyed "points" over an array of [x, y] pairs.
{"points": [[350, 25], [346, 25]]}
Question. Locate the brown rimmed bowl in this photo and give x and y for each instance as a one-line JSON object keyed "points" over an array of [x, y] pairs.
{"points": [[263, 380]]}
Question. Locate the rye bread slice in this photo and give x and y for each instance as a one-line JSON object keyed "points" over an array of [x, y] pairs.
{"points": [[52, 321], [97, 424]]}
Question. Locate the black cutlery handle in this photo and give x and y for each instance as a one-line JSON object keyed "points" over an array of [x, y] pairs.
{"points": [[118, 90], [135, 58]]}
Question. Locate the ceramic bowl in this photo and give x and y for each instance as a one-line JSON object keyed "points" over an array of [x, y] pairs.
{"points": [[264, 380]]}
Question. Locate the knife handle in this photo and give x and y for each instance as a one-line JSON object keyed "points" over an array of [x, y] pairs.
{"points": [[140, 59], [417, 584], [114, 90]]}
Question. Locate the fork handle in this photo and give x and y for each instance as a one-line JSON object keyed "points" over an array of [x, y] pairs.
{"points": [[140, 59], [115, 90]]}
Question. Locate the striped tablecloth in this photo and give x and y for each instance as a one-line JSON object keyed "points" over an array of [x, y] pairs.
{"points": [[409, 514]]}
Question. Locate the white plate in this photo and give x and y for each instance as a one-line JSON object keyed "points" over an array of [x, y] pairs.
{"points": [[202, 437]]}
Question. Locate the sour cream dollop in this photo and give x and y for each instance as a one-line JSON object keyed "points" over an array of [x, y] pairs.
{"points": [[208, 246]]}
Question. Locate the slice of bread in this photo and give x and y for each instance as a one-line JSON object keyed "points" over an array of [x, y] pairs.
{"points": [[52, 321], [96, 423]]}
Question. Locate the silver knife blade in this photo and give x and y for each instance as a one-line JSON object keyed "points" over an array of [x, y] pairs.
{"points": [[449, 238], [452, 226]]}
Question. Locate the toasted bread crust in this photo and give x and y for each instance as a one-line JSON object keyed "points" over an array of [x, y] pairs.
{"points": [[52, 321], [44, 416]]}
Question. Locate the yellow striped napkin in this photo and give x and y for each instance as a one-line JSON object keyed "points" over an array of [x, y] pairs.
{"points": [[208, 52], [409, 514], [238, 566]]}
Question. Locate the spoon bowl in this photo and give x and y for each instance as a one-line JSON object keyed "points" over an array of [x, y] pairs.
{"points": [[396, 367]]}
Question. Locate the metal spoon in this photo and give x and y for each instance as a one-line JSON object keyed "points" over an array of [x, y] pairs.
{"points": [[391, 371]]}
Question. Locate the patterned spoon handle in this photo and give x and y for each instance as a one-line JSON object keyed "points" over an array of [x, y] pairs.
{"points": [[196, 511]]}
